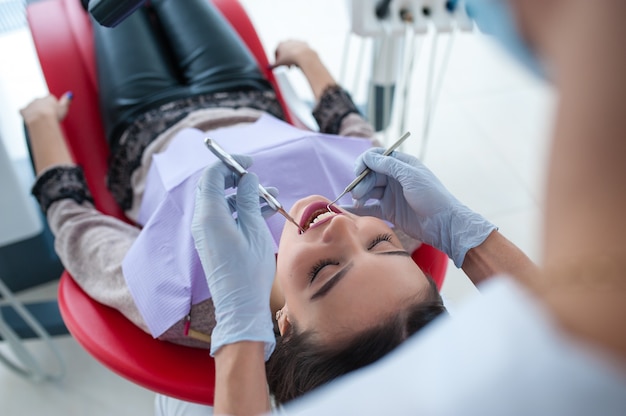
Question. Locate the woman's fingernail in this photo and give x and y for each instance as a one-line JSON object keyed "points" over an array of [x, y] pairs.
{"points": [[69, 94]]}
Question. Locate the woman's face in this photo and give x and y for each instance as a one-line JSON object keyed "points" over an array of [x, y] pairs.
{"points": [[344, 273]]}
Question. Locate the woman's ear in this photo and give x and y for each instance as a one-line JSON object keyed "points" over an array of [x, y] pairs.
{"points": [[282, 317]]}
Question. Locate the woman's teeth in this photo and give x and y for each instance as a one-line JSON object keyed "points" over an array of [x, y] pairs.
{"points": [[322, 216]]}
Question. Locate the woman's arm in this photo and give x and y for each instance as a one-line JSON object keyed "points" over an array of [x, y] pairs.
{"points": [[334, 111], [90, 245]]}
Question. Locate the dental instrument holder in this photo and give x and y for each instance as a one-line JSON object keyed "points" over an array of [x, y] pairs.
{"points": [[365, 172], [391, 27], [384, 77], [233, 165]]}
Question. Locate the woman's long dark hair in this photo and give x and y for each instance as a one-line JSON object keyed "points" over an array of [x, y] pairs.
{"points": [[299, 364]]}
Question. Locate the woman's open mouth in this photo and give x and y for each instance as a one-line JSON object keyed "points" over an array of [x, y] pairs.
{"points": [[317, 214]]}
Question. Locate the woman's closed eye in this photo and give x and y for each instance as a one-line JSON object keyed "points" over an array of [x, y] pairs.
{"points": [[320, 265], [317, 268], [379, 239]]}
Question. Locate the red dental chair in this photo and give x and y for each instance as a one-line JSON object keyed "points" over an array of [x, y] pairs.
{"points": [[61, 31]]}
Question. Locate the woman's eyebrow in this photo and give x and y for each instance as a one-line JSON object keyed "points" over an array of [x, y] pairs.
{"points": [[394, 253], [332, 282]]}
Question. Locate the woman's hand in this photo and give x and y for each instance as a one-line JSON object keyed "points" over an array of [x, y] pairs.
{"points": [[294, 52], [42, 118], [300, 54], [237, 256], [410, 196], [47, 108]]}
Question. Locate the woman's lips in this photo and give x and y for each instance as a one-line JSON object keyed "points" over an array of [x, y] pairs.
{"points": [[312, 211]]}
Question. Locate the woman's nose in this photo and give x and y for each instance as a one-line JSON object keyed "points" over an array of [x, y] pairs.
{"points": [[340, 228]]}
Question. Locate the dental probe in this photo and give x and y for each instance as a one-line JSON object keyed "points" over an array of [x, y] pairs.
{"points": [[363, 174], [230, 161]]}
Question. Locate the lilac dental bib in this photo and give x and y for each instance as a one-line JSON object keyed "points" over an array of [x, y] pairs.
{"points": [[162, 268]]}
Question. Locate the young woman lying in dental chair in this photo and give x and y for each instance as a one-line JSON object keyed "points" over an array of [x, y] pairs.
{"points": [[347, 281]]}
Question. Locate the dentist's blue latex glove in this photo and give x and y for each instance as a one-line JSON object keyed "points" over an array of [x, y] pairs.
{"points": [[237, 256], [407, 194], [266, 210]]}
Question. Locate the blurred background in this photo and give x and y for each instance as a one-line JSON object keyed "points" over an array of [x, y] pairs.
{"points": [[487, 138]]}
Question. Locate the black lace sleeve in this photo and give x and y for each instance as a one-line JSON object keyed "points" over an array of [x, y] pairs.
{"points": [[59, 183], [332, 108]]}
